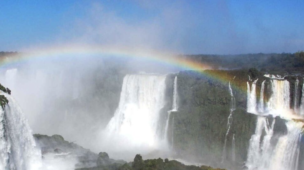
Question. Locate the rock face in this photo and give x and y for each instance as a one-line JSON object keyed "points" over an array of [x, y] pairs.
{"points": [[150, 164], [3, 99], [200, 125], [207, 129], [57, 145]]}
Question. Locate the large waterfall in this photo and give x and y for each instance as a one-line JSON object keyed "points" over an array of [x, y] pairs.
{"points": [[135, 123], [17, 146], [279, 103], [251, 97], [268, 151]]}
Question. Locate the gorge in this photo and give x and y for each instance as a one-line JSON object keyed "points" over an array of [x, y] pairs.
{"points": [[232, 119]]}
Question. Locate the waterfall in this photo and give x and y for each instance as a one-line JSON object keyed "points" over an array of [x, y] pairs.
{"points": [[297, 163], [17, 146], [279, 102], [172, 135], [135, 122], [229, 121], [251, 97], [263, 152], [233, 148], [175, 96], [286, 154], [259, 152], [167, 126], [254, 146], [302, 102], [296, 96], [174, 106], [261, 105]]}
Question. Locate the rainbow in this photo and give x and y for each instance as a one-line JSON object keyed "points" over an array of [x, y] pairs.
{"points": [[148, 55], [103, 51]]}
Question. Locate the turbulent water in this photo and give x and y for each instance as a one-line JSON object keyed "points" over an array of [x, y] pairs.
{"points": [[136, 121], [280, 156], [251, 97], [279, 102], [261, 104], [17, 146], [268, 151]]}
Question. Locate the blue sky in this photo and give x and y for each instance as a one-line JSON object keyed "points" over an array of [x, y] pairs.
{"points": [[181, 26]]}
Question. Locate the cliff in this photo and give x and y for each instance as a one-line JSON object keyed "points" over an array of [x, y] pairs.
{"points": [[200, 125]]}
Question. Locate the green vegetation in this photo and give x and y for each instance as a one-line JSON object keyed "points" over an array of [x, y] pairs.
{"points": [[287, 63], [3, 99], [150, 164]]}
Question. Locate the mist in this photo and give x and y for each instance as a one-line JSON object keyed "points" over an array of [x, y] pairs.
{"points": [[70, 96], [78, 95]]}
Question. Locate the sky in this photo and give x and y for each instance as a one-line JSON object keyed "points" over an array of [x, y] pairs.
{"points": [[180, 26]]}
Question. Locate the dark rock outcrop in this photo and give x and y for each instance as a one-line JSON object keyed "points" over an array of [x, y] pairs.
{"points": [[200, 125], [3, 99], [151, 164], [57, 145]]}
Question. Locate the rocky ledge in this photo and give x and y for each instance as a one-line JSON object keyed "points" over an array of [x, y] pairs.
{"points": [[151, 164], [3, 99], [88, 160]]}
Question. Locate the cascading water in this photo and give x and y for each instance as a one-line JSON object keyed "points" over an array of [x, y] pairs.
{"points": [[229, 121], [279, 102], [251, 97], [264, 153], [135, 122], [17, 146], [296, 96], [167, 125], [302, 102], [285, 154], [261, 105], [175, 96], [174, 106], [259, 153], [172, 136], [233, 147]]}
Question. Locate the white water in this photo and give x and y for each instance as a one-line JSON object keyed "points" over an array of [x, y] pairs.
{"points": [[296, 96], [175, 96], [174, 107], [259, 152], [264, 154], [229, 121], [233, 148], [285, 154], [261, 105], [279, 102], [17, 146], [172, 135], [251, 97], [302, 102], [134, 126]]}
